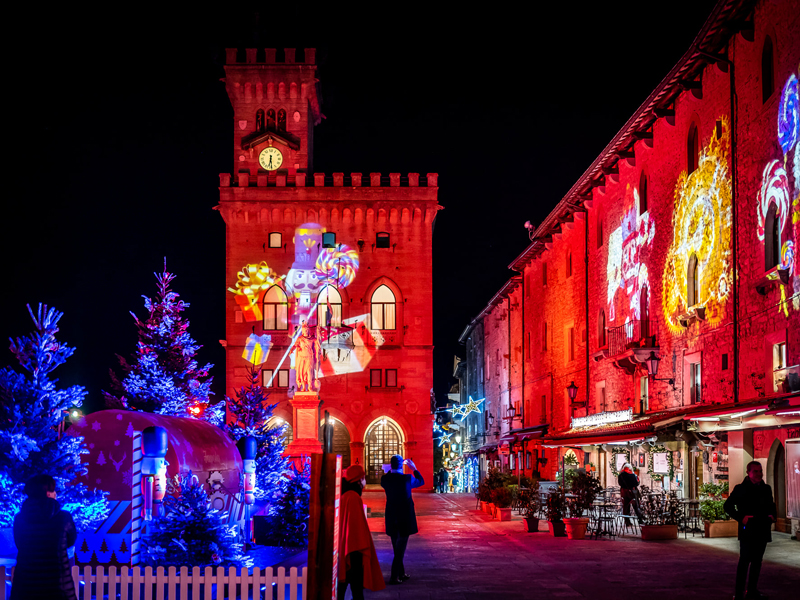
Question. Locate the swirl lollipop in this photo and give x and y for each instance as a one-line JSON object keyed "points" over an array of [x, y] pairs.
{"points": [[337, 266], [789, 115]]}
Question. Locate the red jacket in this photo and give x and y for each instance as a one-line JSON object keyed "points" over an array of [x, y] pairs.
{"points": [[354, 536]]}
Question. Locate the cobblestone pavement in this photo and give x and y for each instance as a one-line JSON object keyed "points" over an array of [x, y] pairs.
{"points": [[461, 553]]}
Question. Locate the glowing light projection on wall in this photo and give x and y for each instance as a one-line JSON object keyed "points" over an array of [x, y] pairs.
{"points": [[628, 247], [701, 226], [789, 115], [775, 189], [253, 282]]}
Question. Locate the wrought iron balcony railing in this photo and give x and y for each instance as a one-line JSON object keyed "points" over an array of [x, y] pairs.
{"points": [[633, 334]]}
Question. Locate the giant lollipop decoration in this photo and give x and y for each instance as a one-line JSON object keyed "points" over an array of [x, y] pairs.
{"points": [[337, 266]]}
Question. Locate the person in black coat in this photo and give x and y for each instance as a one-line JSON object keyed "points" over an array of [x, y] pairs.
{"points": [[751, 504], [43, 533], [401, 520], [628, 490]]}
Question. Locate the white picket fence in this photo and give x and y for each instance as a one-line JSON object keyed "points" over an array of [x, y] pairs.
{"points": [[172, 584]]}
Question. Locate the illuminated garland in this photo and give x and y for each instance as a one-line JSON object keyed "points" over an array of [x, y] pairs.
{"points": [[659, 476], [614, 453], [701, 226]]}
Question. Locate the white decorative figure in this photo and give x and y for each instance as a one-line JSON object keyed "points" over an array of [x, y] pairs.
{"points": [[307, 359]]}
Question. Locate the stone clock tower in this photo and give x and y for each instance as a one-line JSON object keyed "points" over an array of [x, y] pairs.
{"points": [[349, 254]]}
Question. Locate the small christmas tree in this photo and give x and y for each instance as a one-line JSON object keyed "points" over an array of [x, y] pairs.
{"points": [[104, 546], [32, 413], [164, 376], [292, 508], [123, 547], [251, 412], [190, 533]]}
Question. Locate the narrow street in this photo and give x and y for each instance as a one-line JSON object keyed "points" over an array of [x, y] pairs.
{"points": [[462, 553]]}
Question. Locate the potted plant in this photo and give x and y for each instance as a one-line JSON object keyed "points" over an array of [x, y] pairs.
{"points": [[556, 508], [584, 489], [484, 496], [502, 498], [531, 505], [712, 509], [661, 514]]}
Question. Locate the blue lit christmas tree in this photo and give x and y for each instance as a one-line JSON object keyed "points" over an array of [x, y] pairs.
{"points": [[32, 415], [292, 508], [164, 376], [251, 414], [190, 532]]}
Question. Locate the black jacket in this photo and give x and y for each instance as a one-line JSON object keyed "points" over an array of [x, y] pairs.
{"points": [[755, 500], [43, 532], [627, 481], [400, 516]]}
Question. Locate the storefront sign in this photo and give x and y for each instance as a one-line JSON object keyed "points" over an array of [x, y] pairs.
{"points": [[661, 462], [603, 418]]}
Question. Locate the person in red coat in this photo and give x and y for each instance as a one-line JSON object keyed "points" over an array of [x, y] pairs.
{"points": [[358, 562]]}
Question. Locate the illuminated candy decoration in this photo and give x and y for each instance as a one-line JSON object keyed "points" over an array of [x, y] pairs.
{"points": [[774, 188], [789, 115], [337, 266], [701, 226], [787, 254], [253, 281], [256, 349]]}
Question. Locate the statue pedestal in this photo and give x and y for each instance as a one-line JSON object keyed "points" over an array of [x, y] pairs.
{"points": [[305, 409]]}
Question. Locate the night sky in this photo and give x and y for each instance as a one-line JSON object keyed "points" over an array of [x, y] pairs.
{"points": [[120, 126]]}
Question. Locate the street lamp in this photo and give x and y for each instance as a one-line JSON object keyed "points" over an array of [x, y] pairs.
{"points": [[511, 412], [458, 439], [491, 419], [572, 390], [652, 363]]}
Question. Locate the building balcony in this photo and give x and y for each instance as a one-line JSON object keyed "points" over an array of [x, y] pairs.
{"points": [[630, 344]]}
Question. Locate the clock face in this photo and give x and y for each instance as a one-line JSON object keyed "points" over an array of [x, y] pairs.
{"points": [[270, 159]]}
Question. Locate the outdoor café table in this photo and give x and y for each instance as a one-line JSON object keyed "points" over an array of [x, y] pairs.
{"points": [[605, 519], [691, 515]]}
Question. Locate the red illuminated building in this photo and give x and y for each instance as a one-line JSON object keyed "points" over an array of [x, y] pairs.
{"points": [[635, 263], [284, 222]]}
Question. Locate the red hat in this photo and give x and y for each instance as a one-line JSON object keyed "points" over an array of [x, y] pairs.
{"points": [[354, 473]]}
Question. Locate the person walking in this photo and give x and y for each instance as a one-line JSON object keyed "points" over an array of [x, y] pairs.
{"points": [[358, 564], [442, 481], [43, 533], [751, 503], [401, 520], [629, 489]]}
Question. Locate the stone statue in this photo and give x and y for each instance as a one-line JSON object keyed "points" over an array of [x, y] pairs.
{"points": [[306, 360]]}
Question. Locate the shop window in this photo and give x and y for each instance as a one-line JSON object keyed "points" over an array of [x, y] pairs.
{"points": [[601, 330], [260, 119], [382, 240], [282, 120], [693, 282], [329, 239], [375, 378], [391, 378], [276, 309], [329, 309], [695, 382], [642, 193], [772, 238], [692, 149], [383, 308], [280, 380], [767, 70], [275, 240]]}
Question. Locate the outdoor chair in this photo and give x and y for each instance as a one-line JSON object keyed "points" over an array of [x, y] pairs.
{"points": [[626, 522]]}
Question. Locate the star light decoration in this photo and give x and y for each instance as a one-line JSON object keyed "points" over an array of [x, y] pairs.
{"points": [[470, 407], [445, 439]]}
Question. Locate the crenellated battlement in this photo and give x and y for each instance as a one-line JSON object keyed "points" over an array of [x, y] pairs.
{"points": [[375, 180], [270, 56]]}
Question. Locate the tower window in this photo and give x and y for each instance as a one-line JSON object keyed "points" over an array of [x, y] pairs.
{"points": [[692, 150], [772, 238], [275, 240], [544, 274], [569, 263], [693, 282], [544, 336], [642, 193], [260, 120], [601, 329], [600, 237], [329, 301], [375, 378], [276, 309], [382, 240], [383, 308], [271, 118], [391, 377], [767, 70], [328, 239], [282, 120]]}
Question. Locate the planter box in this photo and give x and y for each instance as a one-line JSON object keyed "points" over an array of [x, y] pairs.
{"points": [[719, 529], [489, 509], [576, 527], [483, 506], [504, 514], [557, 529], [531, 524], [659, 532]]}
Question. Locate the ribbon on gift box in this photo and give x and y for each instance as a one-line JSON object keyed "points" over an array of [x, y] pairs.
{"points": [[256, 349], [253, 281]]}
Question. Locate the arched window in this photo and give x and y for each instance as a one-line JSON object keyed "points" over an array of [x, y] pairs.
{"points": [[276, 309], [601, 329], [692, 150], [642, 193], [383, 308], [644, 311], [260, 120], [772, 238], [329, 296], [282, 120], [767, 70], [693, 282], [271, 118]]}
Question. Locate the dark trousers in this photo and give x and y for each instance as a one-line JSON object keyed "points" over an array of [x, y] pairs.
{"points": [[355, 578], [751, 552], [628, 500], [399, 543]]}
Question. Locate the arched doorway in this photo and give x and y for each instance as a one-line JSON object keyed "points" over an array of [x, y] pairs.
{"points": [[341, 440], [383, 439], [776, 476]]}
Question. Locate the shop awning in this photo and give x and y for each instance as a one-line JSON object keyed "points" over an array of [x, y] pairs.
{"points": [[508, 439], [729, 410], [530, 433], [630, 431], [487, 448]]}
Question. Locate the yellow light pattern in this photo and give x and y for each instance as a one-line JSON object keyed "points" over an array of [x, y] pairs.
{"points": [[701, 225], [253, 282]]}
